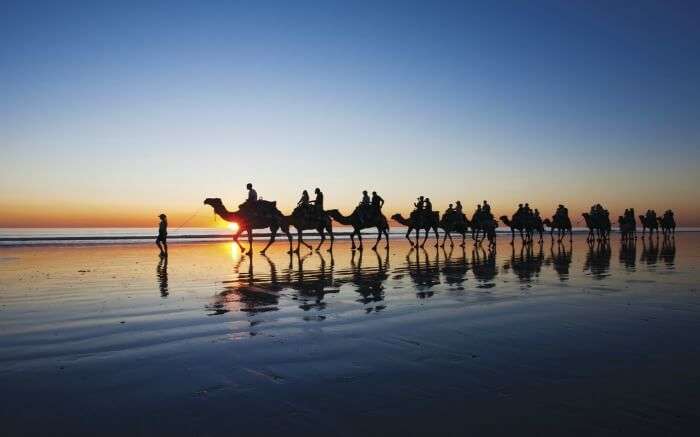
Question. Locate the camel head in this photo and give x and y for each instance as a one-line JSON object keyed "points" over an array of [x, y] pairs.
{"points": [[547, 222], [213, 201], [396, 217], [504, 218]]}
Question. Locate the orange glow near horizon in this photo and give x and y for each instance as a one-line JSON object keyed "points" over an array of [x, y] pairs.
{"points": [[58, 214]]}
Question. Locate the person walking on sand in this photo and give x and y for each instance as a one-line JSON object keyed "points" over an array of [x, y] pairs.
{"points": [[161, 240]]}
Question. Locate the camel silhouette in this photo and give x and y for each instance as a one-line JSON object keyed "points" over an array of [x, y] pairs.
{"points": [[322, 223], [525, 225], [651, 224], [668, 225], [425, 220], [264, 216], [454, 222], [597, 224], [358, 220], [563, 227]]}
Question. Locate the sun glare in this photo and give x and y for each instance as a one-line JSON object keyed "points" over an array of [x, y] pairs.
{"points": [[233, 226]]}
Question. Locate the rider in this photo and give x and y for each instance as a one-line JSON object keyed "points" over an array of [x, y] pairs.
{"points": [[318, 201], [519, 211], [527, 209], [365, 199], [459, 207], [486, 208], [304, 201], [252, 194], [450, 209], [377, 201], [420, 204], [428, 205]]}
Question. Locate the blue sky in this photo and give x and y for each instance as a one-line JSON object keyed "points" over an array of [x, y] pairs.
{"points": [[151, 106]]}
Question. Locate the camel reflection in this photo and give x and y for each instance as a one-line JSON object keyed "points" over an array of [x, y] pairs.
{"points": [[424, 273], [248, 293], [598, 259], [668, 252], [369, 281], [650, 252], [628, 254], [561, 260], [162, 275], [526, 265], [312, 286], [455, 270], [484, 266]]}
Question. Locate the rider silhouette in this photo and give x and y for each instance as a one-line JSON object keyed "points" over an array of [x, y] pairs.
{"points": [[304, 201], [486, 208], [377, 201], [420, 204], [318, 201], [252, 194], [428, 205], [459, 207], [365, 199]]}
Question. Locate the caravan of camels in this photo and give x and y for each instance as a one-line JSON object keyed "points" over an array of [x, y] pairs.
{"points": [[309, 214]]}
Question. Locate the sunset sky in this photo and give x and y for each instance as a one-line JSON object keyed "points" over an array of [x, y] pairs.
{"points": [[114, 112]]}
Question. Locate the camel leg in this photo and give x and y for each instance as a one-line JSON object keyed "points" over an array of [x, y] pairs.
{"points": [[379, 238], [250, 241], [322, 232], [285, 229], [512, 236], [235, 240], [352, 238], [359, 237], [427, 232], [301, 240], [408, 236], [386, 235], [298, 242], [464, 237], [437, 237], [273, 236]]}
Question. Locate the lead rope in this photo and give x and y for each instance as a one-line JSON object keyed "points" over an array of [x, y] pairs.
{"points": [[190, 218]]}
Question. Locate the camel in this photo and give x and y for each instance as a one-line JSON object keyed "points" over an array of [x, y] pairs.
{"points": [[427, 222], [267, 217], [652, 225], [486, 225], [359, 222], [452, 223], [523, 224], [302, 222], [628, 229], [563, 226], [668, 225], [600, 224]]}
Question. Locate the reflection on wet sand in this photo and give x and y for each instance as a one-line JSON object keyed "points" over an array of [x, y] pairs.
{"points": [[162, 274], [368, 280], [668, 252], [597, 262], [628, 254], [484, 266], [561, 260], [650, 252], [261, 284], [526, 264]]}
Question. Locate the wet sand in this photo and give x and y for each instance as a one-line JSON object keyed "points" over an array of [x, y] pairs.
{"points": [[560, 339]]}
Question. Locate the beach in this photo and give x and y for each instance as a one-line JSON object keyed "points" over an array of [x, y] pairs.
{"points": [[572, 339]]}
